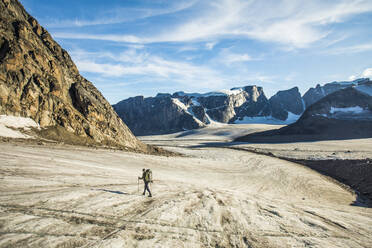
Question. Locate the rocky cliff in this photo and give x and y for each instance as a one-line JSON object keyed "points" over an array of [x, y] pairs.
{"points": [[162, 113], [286, 101], [180, 111], [39, 80], [167, 113], [226, 106], [315, 94], [343, 114]]}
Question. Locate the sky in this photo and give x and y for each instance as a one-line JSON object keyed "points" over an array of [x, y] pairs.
{"points": [[141, 47]]}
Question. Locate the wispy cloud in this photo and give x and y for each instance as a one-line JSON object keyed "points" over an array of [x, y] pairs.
{"points": [[110, 37], [210, 45], [116, 15], [152, 67], [294, 23], [351, 49], [231, 58], [149, 68]]}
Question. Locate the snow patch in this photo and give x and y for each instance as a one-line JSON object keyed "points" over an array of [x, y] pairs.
{"points": [[212, 122], [268, 120], [349, 113], [187, 110], [354, 110], [292, 118], [179, 103], [303, 105], [195, 102], [233, 91], [350, 83], [322, 90], [17, 122], [9, 123]]}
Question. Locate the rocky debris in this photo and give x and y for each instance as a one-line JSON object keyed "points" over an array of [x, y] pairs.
{"points": [[315, 94], [344, 114], [39, 80]]}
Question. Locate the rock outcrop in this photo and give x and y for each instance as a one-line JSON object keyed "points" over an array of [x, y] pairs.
{"points": [[255, 104], [286, 101], [39, 80], [315, 94], [343, 114], [156, 115]]}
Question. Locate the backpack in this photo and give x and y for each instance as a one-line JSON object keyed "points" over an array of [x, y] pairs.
{"points": [[148, 175]]}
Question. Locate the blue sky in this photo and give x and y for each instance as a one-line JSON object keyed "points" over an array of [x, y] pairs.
{"points": [[142, 47]]}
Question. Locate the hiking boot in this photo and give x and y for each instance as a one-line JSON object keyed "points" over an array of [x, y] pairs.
{"points": [[150, 195], [143, 194]]}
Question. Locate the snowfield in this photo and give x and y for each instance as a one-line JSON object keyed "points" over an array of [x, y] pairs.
{"points": [[269, 120], [66, 196], [356, 110], [10, 124]]}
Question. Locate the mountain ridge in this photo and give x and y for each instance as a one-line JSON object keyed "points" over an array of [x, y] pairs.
{"points": [[343, 114], [247, 104], [185, 111], [39, 80]]}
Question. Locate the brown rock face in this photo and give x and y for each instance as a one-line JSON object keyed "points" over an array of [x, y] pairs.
{"points": [[39, 80]]}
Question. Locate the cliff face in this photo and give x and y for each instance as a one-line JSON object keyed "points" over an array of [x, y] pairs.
{"points": [[160, 115], [39, 80], [343, 114], [180, 111], [255, 103], [286, 101], [229, 106]]}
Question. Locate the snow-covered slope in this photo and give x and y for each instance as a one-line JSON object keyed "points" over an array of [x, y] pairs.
{"points": [[269, 120], [11, 126]]}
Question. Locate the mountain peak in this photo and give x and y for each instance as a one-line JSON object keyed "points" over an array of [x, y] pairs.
{"points": [[39, 80]]}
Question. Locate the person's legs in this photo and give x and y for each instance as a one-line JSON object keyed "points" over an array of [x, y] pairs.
{"points": [[147, 188]]}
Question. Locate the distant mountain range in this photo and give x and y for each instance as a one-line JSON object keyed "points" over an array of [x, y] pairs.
{"points": [[168, 113], [342, 114]]}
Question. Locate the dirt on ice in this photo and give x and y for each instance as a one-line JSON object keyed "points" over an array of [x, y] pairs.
{"points": [[69, 196]]}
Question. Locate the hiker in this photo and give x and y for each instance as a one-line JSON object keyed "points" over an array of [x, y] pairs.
{"points": [[147, 178]]}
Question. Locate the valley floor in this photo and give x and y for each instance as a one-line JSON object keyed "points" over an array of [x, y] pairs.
{"points": [[66, 196]]}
